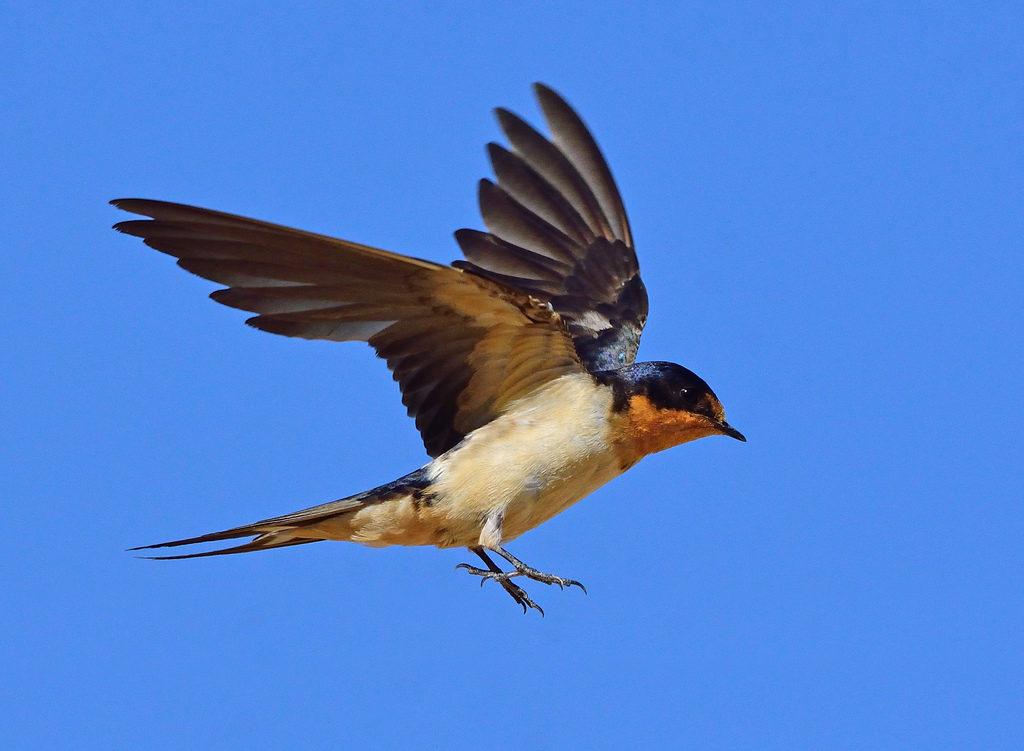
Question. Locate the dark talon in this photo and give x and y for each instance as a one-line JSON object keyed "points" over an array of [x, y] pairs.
{"points": [[504, 578], [531, 573]]}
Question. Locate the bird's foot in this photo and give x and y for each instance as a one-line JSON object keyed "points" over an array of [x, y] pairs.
{"points": [[521, 569], [504, 578], [516, 592]]}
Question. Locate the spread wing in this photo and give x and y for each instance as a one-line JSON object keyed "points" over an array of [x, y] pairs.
{"points": [[557, 230], [461, 347]]}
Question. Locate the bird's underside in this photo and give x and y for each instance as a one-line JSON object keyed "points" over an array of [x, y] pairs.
{"points": [[517, 364], [502, 480]]}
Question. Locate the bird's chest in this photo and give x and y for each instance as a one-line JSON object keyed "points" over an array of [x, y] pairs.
{"points": [[532, 463]]}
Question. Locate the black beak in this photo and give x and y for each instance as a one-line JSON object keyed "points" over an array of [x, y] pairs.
{"points": [[729, 430]]}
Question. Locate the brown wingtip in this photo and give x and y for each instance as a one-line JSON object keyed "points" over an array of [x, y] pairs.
{"points": [[122, 203], [542, 91]]}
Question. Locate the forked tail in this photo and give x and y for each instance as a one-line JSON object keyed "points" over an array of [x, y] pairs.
{"points": [[297, 528]]}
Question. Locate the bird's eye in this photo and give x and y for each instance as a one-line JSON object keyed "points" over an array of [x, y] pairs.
{"points": [[684, 392]]}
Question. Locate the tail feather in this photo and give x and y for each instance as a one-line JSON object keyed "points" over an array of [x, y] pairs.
{"points": [[290, 529], [228, 534], [263, 542]]}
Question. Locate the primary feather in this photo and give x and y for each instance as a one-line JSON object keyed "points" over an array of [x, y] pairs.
{"points": [[557, 230]]}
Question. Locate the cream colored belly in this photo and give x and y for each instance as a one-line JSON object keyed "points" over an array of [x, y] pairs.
{"points": [[548, 452], [531, 509], [551, 450]]}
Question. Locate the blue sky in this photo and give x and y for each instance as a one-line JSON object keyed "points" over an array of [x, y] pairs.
{"points": [[827, 203]]}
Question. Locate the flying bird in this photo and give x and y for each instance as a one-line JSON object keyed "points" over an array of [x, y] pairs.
{"points": [[518, 364]]}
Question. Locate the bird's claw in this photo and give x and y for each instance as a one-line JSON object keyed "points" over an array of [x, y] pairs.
{"points": [[516, 592], [549, 579], [504, 578], [482, 573]]}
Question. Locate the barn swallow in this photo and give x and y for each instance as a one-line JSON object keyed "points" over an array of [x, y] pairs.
{"points": [[518, 364]]}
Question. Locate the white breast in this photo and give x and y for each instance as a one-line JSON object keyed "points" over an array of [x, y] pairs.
{"points": [[549, 451]]}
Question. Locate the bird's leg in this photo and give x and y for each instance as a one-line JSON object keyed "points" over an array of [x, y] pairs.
{"points": [[521, 569], [516, 592]]}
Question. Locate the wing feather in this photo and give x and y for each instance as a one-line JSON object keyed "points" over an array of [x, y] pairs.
{"points": [[571, 136], [556, 200], [551, 164], [554, 285], [525, 185], [450, 338]]}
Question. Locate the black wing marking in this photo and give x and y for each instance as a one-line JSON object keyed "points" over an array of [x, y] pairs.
{"points": [[557, 230]]}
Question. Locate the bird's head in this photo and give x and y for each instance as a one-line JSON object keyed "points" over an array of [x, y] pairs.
{"points": [[663, 404]]}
